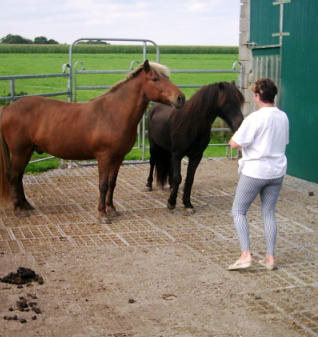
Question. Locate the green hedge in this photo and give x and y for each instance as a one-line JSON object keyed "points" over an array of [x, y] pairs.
{"points": [[102, 49]]}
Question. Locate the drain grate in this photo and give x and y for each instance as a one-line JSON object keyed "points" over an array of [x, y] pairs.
{"points": [[216, 250], [9, 247], [306, 239], [120, 334], [150, 238], [194, 235], [139, 201], [97, 240], [65, 218], [305, 273], [138, 225], [286, 256], [296, 307], [300, 304]]}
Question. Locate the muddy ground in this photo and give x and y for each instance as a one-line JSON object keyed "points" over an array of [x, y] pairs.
{"points": [[153, 272]]}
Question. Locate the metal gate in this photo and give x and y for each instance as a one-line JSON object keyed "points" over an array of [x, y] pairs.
{"points": [[79, 69]]}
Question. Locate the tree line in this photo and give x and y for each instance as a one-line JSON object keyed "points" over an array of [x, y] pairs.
{"points": [[17, 39]]}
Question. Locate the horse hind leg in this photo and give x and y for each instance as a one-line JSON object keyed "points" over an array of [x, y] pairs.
{"points": [[176, 180], [102, 195], [15, 177], [4, 167]]}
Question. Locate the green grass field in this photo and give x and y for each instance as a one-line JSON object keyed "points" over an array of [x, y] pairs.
{"points": [[25, 64], [48, 63]]}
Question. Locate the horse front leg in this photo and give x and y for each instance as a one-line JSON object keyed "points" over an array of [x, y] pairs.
{"points": [[103, 187], [192, 166], [102, 196], [112, 178], [176, 181]]}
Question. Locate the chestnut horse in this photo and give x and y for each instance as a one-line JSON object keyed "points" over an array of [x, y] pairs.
{"points": [[104, 128], [174, 134]]}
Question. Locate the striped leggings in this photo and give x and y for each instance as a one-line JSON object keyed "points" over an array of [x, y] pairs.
{"points": [[247, 190]]}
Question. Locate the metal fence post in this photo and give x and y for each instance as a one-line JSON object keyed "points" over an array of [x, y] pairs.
{"points": [[12, 88]]}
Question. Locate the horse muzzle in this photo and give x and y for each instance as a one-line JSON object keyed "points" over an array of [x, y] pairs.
{"points": [[236, 123]]}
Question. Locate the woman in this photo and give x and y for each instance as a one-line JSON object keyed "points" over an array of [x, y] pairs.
{"points": [[262, 138]]}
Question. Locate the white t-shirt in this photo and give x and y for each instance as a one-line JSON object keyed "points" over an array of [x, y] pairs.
{"points": [[263, 136]]}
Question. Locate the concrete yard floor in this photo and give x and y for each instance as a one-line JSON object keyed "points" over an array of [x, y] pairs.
{"points": [[155, 272]]}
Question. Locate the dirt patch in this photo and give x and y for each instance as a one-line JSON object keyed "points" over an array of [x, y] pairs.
{"points": [[153, 272]]}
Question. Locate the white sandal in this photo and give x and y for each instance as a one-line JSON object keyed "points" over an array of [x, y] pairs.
{"points": [[267, 265], [239, 265]]}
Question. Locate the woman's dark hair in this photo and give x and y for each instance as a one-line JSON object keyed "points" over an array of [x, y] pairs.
{"points": [[266, 88]]}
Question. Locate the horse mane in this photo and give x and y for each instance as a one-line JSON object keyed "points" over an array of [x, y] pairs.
{"points": [[196, 108], [158, 68], [202, 107]]}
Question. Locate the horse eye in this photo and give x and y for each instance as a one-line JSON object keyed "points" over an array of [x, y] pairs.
{"points": [[155, 79]]}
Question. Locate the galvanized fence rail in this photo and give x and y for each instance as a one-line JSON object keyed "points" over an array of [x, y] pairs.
{"points": [[12, 95], [13, 78]]}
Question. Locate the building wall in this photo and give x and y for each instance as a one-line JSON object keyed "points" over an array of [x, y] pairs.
{"points": [[293, 67], [245, 56]]}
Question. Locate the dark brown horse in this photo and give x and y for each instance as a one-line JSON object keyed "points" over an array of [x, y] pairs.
{"points": [[174, 134], [104, 128]]}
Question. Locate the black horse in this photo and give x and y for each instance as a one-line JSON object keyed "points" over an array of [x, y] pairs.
{"points": [[174, 134]]}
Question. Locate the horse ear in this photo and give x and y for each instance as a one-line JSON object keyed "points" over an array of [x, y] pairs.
{"points": [[222, 96], [221, 86], [146, 66]]}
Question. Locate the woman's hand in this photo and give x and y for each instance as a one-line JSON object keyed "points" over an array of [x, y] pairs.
{"points": [[234, 145]]}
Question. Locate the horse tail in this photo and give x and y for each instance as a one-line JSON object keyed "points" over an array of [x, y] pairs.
{"points": [[160, 158], [162, 166], [4, 166]]}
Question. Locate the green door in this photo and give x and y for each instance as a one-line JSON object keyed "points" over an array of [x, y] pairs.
{"points": [[299, 82], [265, 20], [290, 59]]}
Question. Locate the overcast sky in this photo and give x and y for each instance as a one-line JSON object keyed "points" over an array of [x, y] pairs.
{"points": [[166, 22]]}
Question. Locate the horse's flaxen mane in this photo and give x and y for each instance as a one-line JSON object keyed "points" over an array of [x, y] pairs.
{"points": [[160, 69], [156, 67]]}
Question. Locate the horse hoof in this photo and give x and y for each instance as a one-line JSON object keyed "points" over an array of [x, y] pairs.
{"points": [[148, 188], [22, 213], [112, 213], [170, 206], [23, 208], [28, 207], [189, 211], [105, 220]]}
